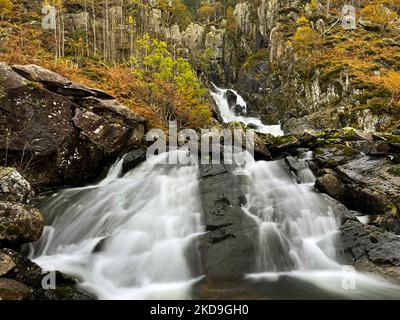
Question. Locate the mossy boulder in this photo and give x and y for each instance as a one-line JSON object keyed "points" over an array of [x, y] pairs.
{"points": [[19, 223], [13, 187]]}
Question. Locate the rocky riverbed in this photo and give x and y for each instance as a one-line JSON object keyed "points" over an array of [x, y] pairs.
{"points": [[56, 133]]}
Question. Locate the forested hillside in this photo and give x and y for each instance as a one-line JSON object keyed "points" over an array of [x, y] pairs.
{"points": [[292, 60]]}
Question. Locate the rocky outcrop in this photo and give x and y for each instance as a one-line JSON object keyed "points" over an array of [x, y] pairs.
{"points": [[60, 132], [370, 248], [229, 247], [193, 36]]}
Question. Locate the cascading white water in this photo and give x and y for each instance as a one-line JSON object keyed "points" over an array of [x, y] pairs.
{"points": [[134, 237], [228, 115], [126, 237], [297, 233]]}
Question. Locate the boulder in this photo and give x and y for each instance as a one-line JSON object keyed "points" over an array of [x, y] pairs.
{"points": [[229, 247], [110, 136], [113, 111], [133, 158], [330, 183], [36, 73], [59, 132], [13, 290], [334, 154], [373, 181], [6, 264], [372, 148], [13, 187], [19, 223], [9, 79], [57, 83], [37, 121]]}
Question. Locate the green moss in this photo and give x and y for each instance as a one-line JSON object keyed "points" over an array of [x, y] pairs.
{"points": [[395, 170], [261, 55], [277, 141], [393, 209], [393, 138]]}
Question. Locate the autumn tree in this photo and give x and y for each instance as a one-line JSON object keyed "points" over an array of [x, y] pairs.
{"points": [[5, 7], [181, 14], [173, 89], [206, 11]]}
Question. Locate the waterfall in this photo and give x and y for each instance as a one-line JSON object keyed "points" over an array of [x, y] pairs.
{"points": [[228, 114], [126, 237], [135, 236], [298, 230]]}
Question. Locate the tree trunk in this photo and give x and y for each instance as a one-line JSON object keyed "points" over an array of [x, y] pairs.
{"points": [[94, 28]]}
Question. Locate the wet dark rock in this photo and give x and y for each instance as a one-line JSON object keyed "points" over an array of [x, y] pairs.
{"points": [[78, 161], [372, 188], [133, 159], [215, 111], [228, 249], [22, 270], [239, 110], [252, 126], [36, 121], [370, 248], [231, 97], [279, 145], [261, 151], [113, 111], [19, 223], [110, 136]]}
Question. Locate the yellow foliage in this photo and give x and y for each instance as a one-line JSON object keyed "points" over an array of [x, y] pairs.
{"points": [[378, 13]]}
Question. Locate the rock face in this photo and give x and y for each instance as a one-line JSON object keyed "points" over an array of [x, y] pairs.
{"points": [[60, 132], [228, 250], [19, 224], [370, 248]]}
